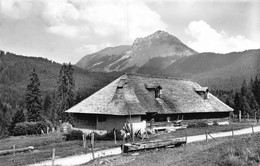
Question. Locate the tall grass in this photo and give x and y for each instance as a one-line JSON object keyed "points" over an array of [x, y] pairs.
{"points": [[244, 151]]}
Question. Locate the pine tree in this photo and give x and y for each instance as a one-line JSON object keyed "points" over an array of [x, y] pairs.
{"points": [[65, 93], [33, 98], [4, 119], [244, 88], [256, 90], [17, 118], [47, 105], [248, 103], [244, 106], [237, 102]]}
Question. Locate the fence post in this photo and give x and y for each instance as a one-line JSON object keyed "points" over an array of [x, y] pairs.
{"points": [[53, 156], [92, 144], [186, 137], [239, 116], [123, 145], [115, 136], [84, 140], [252, 129], [14, 153], [232, 132], [206, 135]]}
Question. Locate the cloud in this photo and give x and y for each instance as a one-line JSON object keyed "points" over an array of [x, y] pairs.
{"points": [[63, 30], [125, 19], [91, 48], [207, 39], [16, 9], [99, 19]]}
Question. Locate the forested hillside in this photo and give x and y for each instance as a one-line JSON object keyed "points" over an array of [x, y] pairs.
{"points": [[14, 78], [217, 71], [15, 69], [246, 99]]}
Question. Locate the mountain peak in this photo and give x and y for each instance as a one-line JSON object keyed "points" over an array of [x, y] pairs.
{"points": [[157, 37], [159, 34], [158, 48]]}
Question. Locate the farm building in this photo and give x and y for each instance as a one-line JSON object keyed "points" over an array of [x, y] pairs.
{"points": [[140, 98]]}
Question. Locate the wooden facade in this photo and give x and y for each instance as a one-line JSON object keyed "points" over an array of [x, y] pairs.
{"points": [[103, 122]]}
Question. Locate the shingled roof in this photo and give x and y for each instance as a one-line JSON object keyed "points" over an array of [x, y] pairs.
{"points": [[129, 95]]}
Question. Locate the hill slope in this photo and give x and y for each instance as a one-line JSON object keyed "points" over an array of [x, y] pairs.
{"points": [[14, 76], [220, 71]]}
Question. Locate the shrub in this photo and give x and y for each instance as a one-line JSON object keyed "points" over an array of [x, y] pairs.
{"points": [[17, 118], [215, 123], [108, 136], [20, 129], [30, 128], [198, 124], [73, 135], [42, 125], [77, 135]]}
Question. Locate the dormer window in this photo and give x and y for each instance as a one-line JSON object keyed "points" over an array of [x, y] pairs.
{"points": [[121, 84], [155, 89], [158, 92], [203, 92]]}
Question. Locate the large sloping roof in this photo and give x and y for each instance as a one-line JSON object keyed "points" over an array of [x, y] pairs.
{"points": [[129, 95]]}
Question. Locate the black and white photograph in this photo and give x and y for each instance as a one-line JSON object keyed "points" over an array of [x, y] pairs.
{"points": [[129, 82]]}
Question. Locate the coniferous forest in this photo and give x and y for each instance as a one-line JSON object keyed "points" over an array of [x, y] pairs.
{"points": [[37, 91], [246, 99]]}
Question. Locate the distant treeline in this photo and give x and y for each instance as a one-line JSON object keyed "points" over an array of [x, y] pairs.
{"points": [[246, 99]]}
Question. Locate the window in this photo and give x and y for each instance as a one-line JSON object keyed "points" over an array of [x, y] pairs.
{"points": [[203, 92], [101, 118], [158, 92], [155, 89]]}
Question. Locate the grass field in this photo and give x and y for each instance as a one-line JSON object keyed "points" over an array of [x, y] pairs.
{"points": [[238, 151], [45, 144]]}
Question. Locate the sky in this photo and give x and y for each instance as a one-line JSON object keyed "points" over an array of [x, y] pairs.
{"points": [[66, 30]]}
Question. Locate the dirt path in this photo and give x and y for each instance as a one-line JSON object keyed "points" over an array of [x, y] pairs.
{"points": [[196, 138], [81, 159]]}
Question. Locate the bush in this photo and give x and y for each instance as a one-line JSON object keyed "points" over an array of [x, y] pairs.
{"points": [[20, 129], [30, 128], [215, 123], [74, 135], [108, 136], [198, 124], [77, 135], [42, 125]]}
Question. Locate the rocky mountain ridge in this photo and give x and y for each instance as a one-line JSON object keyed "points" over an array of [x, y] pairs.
{"points": [[131, 58]]}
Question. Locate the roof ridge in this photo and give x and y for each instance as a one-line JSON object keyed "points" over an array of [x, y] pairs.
{"points": [[158, 76]]}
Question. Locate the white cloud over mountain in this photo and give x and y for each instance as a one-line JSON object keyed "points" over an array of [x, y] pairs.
{"points": [[92, 24], [129, 19], [74, 28], [207, 39]]}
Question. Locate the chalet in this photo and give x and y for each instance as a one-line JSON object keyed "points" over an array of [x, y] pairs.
{"points": [[140, 98]]}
